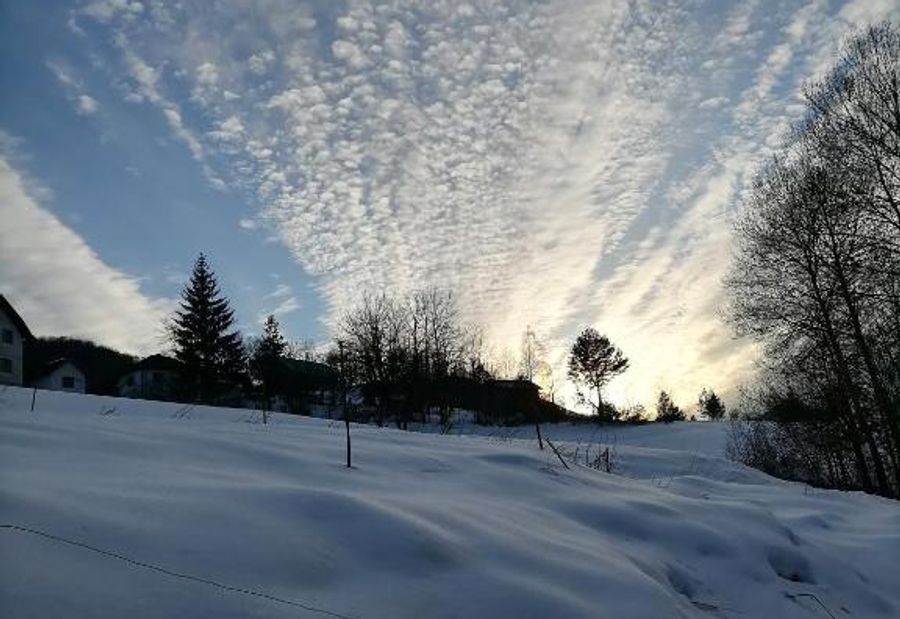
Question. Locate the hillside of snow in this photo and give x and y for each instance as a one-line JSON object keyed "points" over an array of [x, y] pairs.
{"points": [[125, 508]]}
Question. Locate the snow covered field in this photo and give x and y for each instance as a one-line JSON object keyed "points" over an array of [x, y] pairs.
{"points": [[423, 526]]}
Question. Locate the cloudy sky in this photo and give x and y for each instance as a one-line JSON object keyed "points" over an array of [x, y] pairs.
{"points": [[559, 164]]}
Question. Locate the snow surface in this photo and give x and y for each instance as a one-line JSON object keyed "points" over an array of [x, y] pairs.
{"points": [[424, 525]]}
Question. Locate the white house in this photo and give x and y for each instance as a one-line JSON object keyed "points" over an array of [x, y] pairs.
{"points": [[153, 378], [62, 375], [13, 334]]}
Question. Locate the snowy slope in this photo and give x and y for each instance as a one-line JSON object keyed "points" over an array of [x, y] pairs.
{"points": [[423, 526]]}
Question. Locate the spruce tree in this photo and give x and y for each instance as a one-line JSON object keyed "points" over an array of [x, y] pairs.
{"points": [[210, 351], [711, 405], [266, 361], [666, 410]]}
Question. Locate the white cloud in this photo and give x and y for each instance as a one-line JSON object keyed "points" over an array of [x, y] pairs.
{"points": [[281, 291], [230, 130], [259, 63], [86, 105], [145, 81], [207, 74], [288, 305], [349, 53], [713, 103], [106, 10], [286, 301], [60, 286], [62, 72]]}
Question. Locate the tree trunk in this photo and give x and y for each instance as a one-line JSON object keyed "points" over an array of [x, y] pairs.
{"points": [[881, 396]]}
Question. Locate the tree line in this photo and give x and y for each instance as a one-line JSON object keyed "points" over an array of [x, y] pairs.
{"points": [[406, 358], [816, 280]]}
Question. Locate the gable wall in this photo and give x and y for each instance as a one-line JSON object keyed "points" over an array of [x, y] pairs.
{"points": [[12, 352]]}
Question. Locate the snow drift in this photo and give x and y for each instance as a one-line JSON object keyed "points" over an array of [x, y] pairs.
{"points": [[207, 513]]}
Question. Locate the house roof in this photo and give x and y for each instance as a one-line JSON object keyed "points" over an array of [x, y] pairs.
{"points": [[309, 368], [57, 363], [157, 362], [7, 308]]}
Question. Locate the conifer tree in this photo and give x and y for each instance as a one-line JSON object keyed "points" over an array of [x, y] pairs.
{"points": [[666, 410], [209, 349], [594, 361], [711, 405], [266, 360]]}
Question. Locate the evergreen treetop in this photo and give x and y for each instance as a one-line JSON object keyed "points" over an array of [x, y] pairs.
{"points": [[203, 338], [666, 409], [711, 405], [271, 344], [594, 360]]}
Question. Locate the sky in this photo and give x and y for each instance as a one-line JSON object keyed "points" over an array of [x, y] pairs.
{"points": [[556, 164]]}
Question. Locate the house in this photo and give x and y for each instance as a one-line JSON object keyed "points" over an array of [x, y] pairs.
{"points": [[303, 383], [61, 375], [511, 400], [309, 376], [13, 334], [153, 378]]}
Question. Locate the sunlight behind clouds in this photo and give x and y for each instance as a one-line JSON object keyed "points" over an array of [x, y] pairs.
{"points": [[558, 164]]}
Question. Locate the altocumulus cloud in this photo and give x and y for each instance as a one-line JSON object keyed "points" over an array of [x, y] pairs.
{"points": [[558, 163], [59, 284], [85, 104]]}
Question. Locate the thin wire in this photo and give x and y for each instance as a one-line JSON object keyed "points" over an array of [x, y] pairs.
{"points": [[162, 570]]}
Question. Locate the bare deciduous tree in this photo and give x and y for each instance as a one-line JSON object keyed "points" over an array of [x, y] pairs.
{"points": [[532, 355], [404, 351], [816, 277]]}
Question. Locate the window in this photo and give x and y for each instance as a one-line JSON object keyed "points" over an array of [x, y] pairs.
{"points": [[68, 382], [6, 336], [5, 366]]}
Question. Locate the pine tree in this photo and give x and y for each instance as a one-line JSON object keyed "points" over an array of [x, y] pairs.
{"points": [[594, 361], [266, 361], [666, 410], [210, 351], [711, 405]]}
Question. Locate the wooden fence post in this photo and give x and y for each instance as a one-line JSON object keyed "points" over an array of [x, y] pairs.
{"points": [[553, 447], [347, 425]]}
